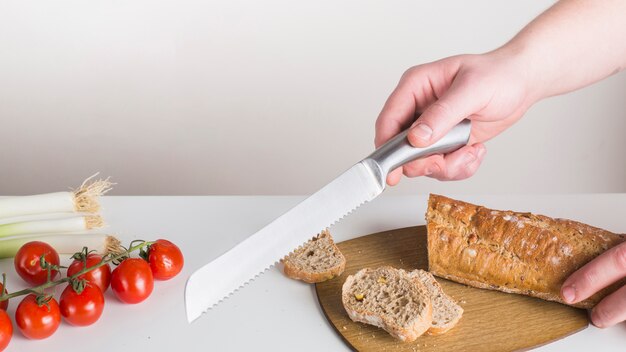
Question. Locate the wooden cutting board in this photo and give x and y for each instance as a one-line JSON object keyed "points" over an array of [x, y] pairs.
{"points": [[493, 321]]}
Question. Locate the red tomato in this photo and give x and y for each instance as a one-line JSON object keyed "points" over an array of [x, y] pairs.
{"points": [[3, 304], [132, 280], [82, 309], [6, 330], [100, 276], [35, 321], [27, 262], [166, 260]]}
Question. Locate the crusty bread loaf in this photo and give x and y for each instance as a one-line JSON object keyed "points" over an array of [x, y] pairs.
{"points": [[317, 260], [446, 312], [390, 299], [511, 251]]}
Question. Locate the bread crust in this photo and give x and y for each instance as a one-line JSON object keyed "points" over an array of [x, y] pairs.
{"points": [[311, 277], [510, 251], [435, 331]]}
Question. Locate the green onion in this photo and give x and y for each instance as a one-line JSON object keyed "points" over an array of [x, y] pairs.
{"points": [[74, 224], [63, 244], [82, 200]]}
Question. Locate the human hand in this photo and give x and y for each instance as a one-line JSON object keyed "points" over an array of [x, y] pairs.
{"points": [[489, 89], [602, 271]]}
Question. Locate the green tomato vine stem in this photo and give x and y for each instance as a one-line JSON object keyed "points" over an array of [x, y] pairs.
{"points": [[38, 290]]}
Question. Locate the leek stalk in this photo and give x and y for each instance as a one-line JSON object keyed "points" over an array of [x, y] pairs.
{"points": [[74, 224], [82, 200]]}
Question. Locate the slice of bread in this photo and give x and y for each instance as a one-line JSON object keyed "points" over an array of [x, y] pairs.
{"points": [[446, 312], [390, 299], [317, 260]]}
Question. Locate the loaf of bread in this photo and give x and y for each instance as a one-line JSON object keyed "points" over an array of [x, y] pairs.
{"points": [[511, 251], [317, 260]]}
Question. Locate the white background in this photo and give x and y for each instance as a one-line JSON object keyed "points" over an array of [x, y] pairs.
{"points": [[264, 97]]}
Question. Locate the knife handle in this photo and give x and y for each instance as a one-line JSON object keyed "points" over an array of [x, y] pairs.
{"points": [[398, 151]]}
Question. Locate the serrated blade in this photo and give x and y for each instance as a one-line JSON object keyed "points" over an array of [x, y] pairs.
{"points": [[220, 278], [362, 183]]}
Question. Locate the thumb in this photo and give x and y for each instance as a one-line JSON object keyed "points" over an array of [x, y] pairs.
{"points": [[455, 105]]}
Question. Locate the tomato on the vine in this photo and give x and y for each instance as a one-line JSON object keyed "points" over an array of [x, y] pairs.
{"points": [[35, 320], [132, 280], [6, 330], [100, 276], [27, 262], [82, 309], [3, 304], [165, 259]]}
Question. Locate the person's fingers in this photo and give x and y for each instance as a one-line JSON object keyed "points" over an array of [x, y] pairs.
{"points": [[424, 167], [599, 273], [393, 178], [460, 101], [458, 165], [397, 114], [462, 163], [611, 310]]}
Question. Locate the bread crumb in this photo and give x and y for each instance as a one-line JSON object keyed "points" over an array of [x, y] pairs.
{"points": [[345, 328]]}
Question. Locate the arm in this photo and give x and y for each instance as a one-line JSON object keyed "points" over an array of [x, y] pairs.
{"points": [[573, 44]]}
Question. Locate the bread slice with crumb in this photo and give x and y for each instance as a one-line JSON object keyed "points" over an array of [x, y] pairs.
{"points": [[390, 299], [446, 312], [317, 260]]}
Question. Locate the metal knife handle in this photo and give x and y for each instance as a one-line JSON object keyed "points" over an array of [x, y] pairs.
{"points": [[398, 151]]}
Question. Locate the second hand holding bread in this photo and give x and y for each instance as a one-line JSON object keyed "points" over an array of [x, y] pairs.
{"points": [[511, 251]]}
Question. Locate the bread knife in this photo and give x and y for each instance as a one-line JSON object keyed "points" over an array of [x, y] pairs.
{"points": [[363, 182]]}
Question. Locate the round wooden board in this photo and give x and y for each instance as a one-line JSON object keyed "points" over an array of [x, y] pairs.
{"points": [[493, 321]]}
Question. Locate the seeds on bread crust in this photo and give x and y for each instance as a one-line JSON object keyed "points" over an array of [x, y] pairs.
{"points": [[514, 252]]}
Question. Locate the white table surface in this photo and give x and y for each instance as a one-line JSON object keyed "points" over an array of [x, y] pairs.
{"points": [[272, 313]]}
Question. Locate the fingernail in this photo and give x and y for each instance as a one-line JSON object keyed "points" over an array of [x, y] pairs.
{"points": [[481, 152], [595, 319], [569, 294], [422, 131]]}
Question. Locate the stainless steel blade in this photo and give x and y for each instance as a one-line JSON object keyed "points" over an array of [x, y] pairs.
{"points": [[220, 278], [363, 182]]}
